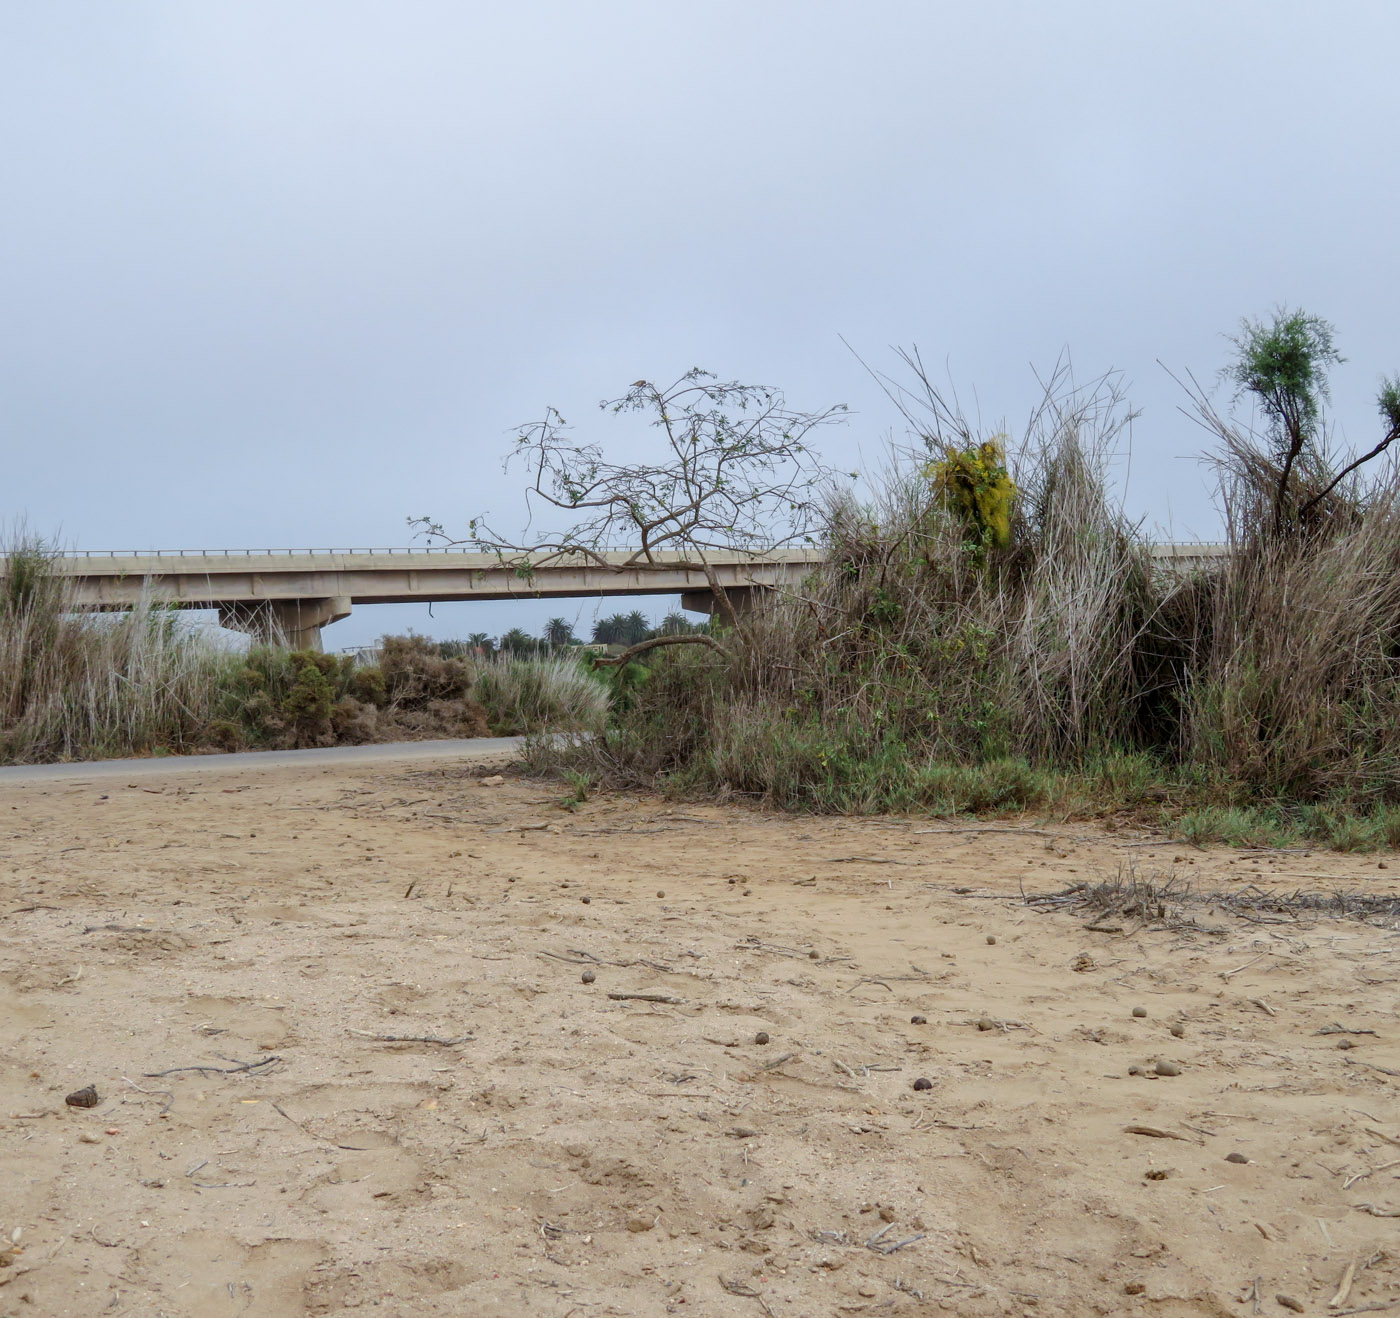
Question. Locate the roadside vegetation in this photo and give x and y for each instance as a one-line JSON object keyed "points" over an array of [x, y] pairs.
{"points": [[78, 684], [989, 633]]}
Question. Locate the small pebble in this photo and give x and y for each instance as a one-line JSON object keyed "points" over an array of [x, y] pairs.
{"points": [[588, 977], [660, 892], [85, 1097], [986, 1023], [991, 940], [922, 1084], [1134, 1288], [815, 955], [1346, 1043], [1288, 1302], [1135, 1070], [761, 1037], [1179, 1031], [585, 900], [1236, 1157], [918, 1020], [1167, 1068], [1140, 1012], [639, 1224]]}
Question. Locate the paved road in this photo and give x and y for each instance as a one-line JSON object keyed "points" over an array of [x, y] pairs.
{"points": [[474, 748]]}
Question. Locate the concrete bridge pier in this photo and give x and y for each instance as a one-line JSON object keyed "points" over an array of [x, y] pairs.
{"points": [[743, 598], [295, 623]]}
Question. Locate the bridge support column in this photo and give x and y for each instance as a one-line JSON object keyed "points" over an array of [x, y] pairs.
{"points": [[743, 598], [293, 623]]}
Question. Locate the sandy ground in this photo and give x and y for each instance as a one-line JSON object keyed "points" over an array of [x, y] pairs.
{"points": [[227, 958]]}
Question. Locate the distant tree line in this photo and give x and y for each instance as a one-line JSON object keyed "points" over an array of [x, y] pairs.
{"points": [[618, 629]]}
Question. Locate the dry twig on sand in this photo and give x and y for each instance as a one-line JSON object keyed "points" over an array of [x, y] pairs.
{"points": [[241, 1068], [413, 1038]]}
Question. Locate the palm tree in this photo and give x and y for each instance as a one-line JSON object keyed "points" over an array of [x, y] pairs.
{"points": [[482, 642], [609, 630], [559, 632], [638, 628], [517, 641]]}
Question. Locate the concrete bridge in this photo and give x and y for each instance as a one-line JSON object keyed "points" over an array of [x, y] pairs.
{"points": [[290, 594]]}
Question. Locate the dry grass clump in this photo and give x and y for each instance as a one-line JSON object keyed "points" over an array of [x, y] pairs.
{"points": [[1130, 902], [76, 685], [528, 695]]}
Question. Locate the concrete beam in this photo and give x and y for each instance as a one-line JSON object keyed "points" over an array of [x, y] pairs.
{"points": [[295, 623]]}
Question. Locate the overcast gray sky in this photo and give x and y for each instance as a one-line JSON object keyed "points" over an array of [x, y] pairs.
{"points": [[286, 273]]}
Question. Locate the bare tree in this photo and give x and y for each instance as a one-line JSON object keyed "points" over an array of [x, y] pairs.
{"points": [[734, 473]]}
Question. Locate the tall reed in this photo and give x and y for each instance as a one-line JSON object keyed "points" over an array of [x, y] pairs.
{"points": [[78, 684]]}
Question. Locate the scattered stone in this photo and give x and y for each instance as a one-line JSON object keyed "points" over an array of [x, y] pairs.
{"points": [[639, 1224], [496, 780], [586, 900], [1236, 1157], [1179, 1031], [588, 977], [744, 1132], [1167, 1068], [814, 955], [921, 1083], [1134, 1288], [1140, 1012], [918, 1020], [991, 940], [761, 1037], [886, 1213], [660, 892], [985, 1023], [1345, 1044], [1135, 1070], [1288, 1302], [85, 1097]]}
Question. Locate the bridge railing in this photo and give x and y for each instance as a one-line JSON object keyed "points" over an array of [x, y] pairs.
{"points": [[1165, 549], [253, 553]]}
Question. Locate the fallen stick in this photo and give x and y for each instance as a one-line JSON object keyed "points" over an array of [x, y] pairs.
{"points": [[646, 997], [413, 1038], [899, 1244], [211, 1070], [1154, 1132], [154, 1093], [1359, 1264]]}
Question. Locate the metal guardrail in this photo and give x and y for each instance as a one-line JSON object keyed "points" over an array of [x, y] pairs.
{"points": [[1164, 550], [252, 553]]}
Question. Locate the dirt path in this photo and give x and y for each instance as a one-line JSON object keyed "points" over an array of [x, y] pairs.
{"points": [[542, 1147]]}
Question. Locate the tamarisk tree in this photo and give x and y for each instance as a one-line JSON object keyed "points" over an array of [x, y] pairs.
{"points": [[732, 472], [1283, 364]]}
